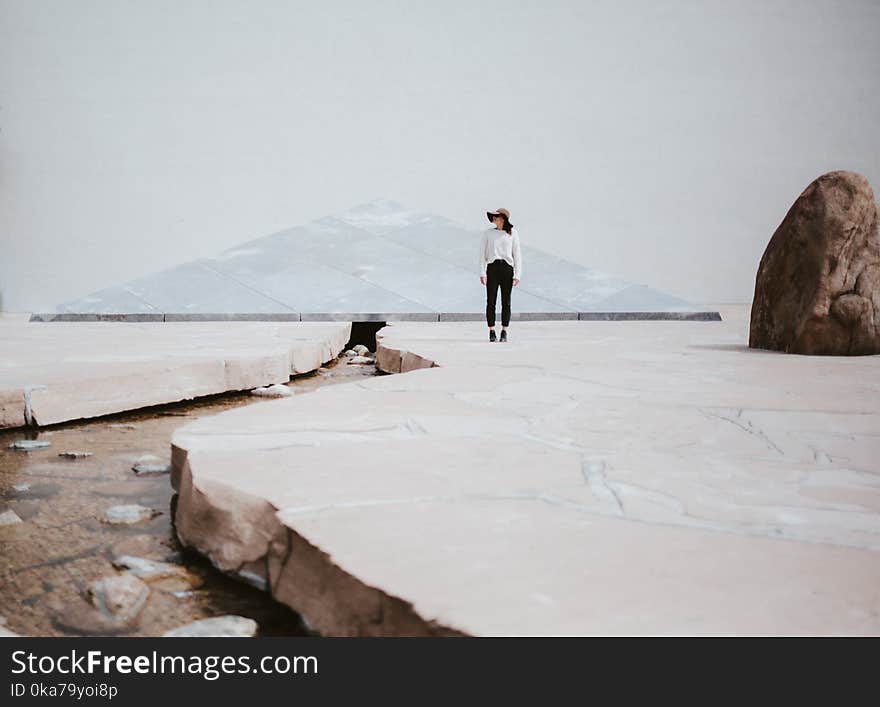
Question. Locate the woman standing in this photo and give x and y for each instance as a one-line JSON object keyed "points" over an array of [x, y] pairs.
{"points": [[500, 266]]}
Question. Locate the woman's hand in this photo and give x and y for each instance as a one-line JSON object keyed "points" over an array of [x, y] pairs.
{"points": [[515, 282], [482, 279]]}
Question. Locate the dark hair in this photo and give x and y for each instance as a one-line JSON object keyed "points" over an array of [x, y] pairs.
{"points": [[508, 226]]}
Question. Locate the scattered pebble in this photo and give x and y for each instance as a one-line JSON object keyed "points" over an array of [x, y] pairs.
{"points": [[361, 350], [273, 391], [150, 465], [75, 455], [183, 594], [119, 596], [361, 360], [21, 488], [216, 627], [77, 614], [151, 570], [128, 515], [350, 353], [26, 445], [9, 517], [122, 426]]}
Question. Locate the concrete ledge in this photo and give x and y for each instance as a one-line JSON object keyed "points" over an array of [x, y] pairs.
{"points": [[649, 316], [91, 317], [369, 316], [515, 316], [708, 316], [233, 317]]}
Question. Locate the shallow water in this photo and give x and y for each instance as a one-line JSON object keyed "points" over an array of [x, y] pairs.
{"points": [[48, 560]]}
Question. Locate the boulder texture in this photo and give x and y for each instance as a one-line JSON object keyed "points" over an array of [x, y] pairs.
{"points": [[818, 285]]}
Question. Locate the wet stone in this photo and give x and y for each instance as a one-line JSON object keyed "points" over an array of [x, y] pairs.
{"points": [[4, 631], [80, 616], [273, 391], [362, 360], [150, 465], [128, 515], [9, 517], [167, 576], [120, 596], [29, 445], [216, 627], [73, 454]]}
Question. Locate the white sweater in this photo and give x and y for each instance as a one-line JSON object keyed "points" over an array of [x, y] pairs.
{"points": [[497, 245]]}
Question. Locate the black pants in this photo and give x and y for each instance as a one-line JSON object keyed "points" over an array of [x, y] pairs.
{"points": [[499, 273]]}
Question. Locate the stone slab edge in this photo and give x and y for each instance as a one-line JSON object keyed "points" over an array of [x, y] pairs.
{"points": [[272, 556], [708, 316], [16, 404]]}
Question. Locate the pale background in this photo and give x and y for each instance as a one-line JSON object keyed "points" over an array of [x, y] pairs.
{"points": [[659, 141]]}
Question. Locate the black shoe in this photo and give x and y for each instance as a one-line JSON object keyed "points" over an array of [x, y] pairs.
{"points": [[504, 335], [492, 336]]}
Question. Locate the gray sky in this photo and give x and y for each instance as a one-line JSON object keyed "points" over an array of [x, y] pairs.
{"points": [[659, 141]]}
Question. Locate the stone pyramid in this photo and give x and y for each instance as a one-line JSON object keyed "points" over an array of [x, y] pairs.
{"points": [[376, 261]]}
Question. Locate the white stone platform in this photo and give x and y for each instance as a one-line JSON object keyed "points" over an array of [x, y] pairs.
{"points": [[585, 478], [56, 372]]}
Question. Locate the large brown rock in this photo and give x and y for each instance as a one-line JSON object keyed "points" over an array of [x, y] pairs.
{"points": [[818, 285]]}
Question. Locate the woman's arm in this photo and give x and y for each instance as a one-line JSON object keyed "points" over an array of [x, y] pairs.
{"points": [[517, 257]]}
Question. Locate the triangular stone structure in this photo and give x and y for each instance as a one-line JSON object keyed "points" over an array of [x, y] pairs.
{"points": [[376, 261]]}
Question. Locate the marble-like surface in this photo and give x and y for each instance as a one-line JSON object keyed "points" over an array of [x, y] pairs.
{"points": [[375, 258], [63, 371], [586, 477]]}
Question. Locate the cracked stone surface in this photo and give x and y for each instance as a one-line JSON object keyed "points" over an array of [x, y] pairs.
{"points": [[66, 371], [584, 478]]}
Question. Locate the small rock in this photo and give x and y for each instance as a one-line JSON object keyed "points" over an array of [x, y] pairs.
{"points": [[350, 353], [21, 488], [27, 445], [361, 360], [171, 578], [122, 426], [150, 465], [77, 614], [361, 350], [119, 596], [128, 515], [216, 627], [9, 517], [75, 454], [273, 391]]}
